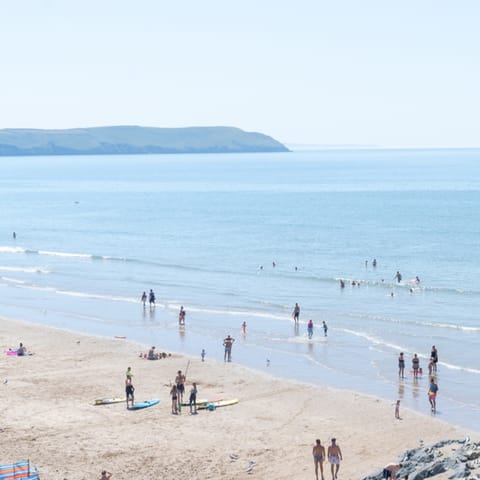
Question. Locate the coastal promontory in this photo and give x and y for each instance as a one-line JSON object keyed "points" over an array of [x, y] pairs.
{"points": [[134, 139]]}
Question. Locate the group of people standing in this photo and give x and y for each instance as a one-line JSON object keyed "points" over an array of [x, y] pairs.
{"points": [[177, 391], [417, 370], [296, 319], [334, 456], [150, 297]]}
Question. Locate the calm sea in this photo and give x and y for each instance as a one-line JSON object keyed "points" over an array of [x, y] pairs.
{"points": [[94, 232]]}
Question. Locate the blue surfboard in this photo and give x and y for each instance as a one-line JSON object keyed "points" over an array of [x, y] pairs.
{"points": [[145, 404]]}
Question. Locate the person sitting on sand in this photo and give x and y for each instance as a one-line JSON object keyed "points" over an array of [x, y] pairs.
{"points": [[318, 457], [106, 475], [21, 350], [129, 392], [152, 355], [390, 470]]}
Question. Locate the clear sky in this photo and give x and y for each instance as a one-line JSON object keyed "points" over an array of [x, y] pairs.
{"points": [[388, 73]]}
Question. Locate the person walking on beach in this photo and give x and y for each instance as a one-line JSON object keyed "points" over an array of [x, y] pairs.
{"points": [[398, 276], [390, 470], [181, 316], [174, 395], [374, 263], [310, 329], [193, 399], [415, 365], [296, 313], [129, 392], [244, 328], [228, 343], [325, 328], [432, 394], [334, 457], [397, 410], [151, 298], [180, 382], [203, 354], [401, 365], [144, 299], [318, 457]]}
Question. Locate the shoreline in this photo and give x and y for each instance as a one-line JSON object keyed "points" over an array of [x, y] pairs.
{"points": [[274, 424]]}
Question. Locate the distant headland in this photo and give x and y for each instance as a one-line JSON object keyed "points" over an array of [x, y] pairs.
{"points": [[134, 139]]}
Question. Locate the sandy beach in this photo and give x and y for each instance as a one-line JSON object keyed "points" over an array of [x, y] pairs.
{"points": [[50, 417]]}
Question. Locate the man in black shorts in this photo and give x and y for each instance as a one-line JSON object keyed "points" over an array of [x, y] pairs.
{"points": [[129, 391], [180, 381]]}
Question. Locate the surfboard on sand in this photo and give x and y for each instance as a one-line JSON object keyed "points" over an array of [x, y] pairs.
{"points": [[108, 401], [145, 404], [202, 401], [220, 403]]}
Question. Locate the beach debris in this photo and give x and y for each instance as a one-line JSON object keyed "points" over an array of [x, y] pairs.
{"points": [[251, 465], [233, 457], [5, 380]]}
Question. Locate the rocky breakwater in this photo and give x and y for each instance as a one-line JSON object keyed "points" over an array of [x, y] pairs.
{"points": [[448, 459]]}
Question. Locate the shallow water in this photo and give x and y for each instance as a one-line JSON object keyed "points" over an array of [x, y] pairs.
{"points": [[94, 232]]}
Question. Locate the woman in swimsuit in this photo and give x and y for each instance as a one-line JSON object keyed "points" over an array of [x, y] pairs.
{"points": [[415, 365], [432, 394]]}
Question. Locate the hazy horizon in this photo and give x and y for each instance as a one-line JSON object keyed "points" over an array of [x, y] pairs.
{"points": [[390, 75]]}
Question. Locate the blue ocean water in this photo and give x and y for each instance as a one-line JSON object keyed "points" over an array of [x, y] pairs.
{"points": [[94, 232]]}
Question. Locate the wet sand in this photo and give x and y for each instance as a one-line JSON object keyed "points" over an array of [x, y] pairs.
{"points": [[49, 416]]}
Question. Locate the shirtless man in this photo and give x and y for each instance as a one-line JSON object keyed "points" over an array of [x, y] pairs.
{"points": [[296, 313], [129, 392], [180, 381], [318, 457], [227, 343], [390, 470], [334, 457]]}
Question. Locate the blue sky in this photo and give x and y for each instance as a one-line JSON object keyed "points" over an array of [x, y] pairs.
{"points": [[393, 74]]}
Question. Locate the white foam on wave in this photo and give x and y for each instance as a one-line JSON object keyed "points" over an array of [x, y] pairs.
{"points": [[98, 296], [64, 254], [24, 270], [378, 341], [4, 249], [239, 313], [13, 280]]}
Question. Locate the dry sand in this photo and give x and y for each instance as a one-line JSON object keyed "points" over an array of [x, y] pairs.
{"points": [[49, 416]]}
